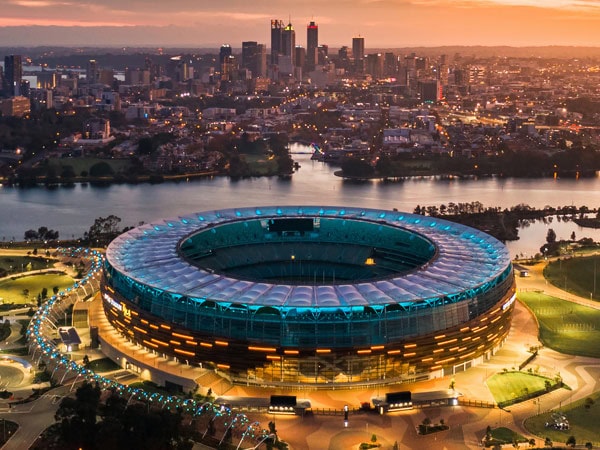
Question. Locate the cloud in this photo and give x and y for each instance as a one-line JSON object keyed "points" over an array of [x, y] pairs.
{"points": [[38, 3]]}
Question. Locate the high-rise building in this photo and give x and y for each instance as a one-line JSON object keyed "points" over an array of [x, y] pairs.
{"points": [[322, 54], [92, 73], [276, 39], [249, 49], [358, 52], [312, 45], [13, 73], [288, 40], [430, 91], [299, 56], [254, 58], [224, 53], [390, 64], [375, 64]]}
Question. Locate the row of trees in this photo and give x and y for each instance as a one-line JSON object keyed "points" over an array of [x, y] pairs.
{"points": [[88, 422], [41, 234]]}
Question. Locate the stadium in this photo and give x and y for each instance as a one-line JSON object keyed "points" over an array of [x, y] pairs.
{"points": [[310, 294]]}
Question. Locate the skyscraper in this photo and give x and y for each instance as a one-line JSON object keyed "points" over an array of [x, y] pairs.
{"points": [[288, 40], [13, 73], [358, 52], [276, 39], [254, 58], [92, 73], [312, 45], [249, 49], [224, 53]]}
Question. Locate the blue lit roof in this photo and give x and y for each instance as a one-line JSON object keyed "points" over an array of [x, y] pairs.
{"points": [[466, 259]]}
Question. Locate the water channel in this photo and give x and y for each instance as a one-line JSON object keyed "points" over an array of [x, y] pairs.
{"points": [[71, 211]]}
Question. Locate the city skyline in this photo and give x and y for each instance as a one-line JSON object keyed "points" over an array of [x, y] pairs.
{"points": [[383, 23]]}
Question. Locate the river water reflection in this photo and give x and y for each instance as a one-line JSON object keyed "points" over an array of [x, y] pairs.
{"points": [[71, 211]]}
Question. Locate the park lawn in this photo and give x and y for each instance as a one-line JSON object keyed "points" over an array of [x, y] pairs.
{"points": [[20, 263], [503, 435], [11, 290], [583, 422], [507, 386], [565, 326], [578, 273], [261, 164]]}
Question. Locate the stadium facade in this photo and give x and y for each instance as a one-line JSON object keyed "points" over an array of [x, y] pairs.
{"points": [[310, 294]]}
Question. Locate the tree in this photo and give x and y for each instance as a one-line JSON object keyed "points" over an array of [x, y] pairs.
{"points": [[532, 442], [589, 445], [104, 230], [548, 442], [426, 422], [589, 402], [551, 236], [31, 235], [285, 165], [355, 167], [571, 441], [488, 434], [101, 169], [373, 438]]}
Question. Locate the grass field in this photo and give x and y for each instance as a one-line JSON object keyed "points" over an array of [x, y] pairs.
{"points": [[509, 386], [576, 275], [261, 164], [583, 422], [564, 326], [503, 435], [12, 290], [21, 263]]}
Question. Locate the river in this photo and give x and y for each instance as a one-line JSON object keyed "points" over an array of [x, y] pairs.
{"points": [[71, 211]]}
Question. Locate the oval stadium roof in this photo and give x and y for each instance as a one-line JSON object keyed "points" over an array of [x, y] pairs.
{"points": [[466, 259]]}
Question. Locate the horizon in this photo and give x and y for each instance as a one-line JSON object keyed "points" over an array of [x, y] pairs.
{"points": [[383, 23]]}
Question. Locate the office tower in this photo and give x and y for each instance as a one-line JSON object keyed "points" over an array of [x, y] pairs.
{"points": [[288, 40], [312, 45], [226, 62], [261, 61], [430, 91], [276, 39], [375, 64], [254, 58], [249, 49], [390, 65], [358, 52], [322, 54], [13, 73], [224, 53], [92, 73], [299, 56]]}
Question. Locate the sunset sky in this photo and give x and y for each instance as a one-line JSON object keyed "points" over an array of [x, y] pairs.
{"points": [[383, 23]]}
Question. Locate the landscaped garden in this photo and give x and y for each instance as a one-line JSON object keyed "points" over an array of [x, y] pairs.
{"points": [[565, 326], [21, 263], [582, 417], [25, 290], [515, 386], [501, 436]]}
